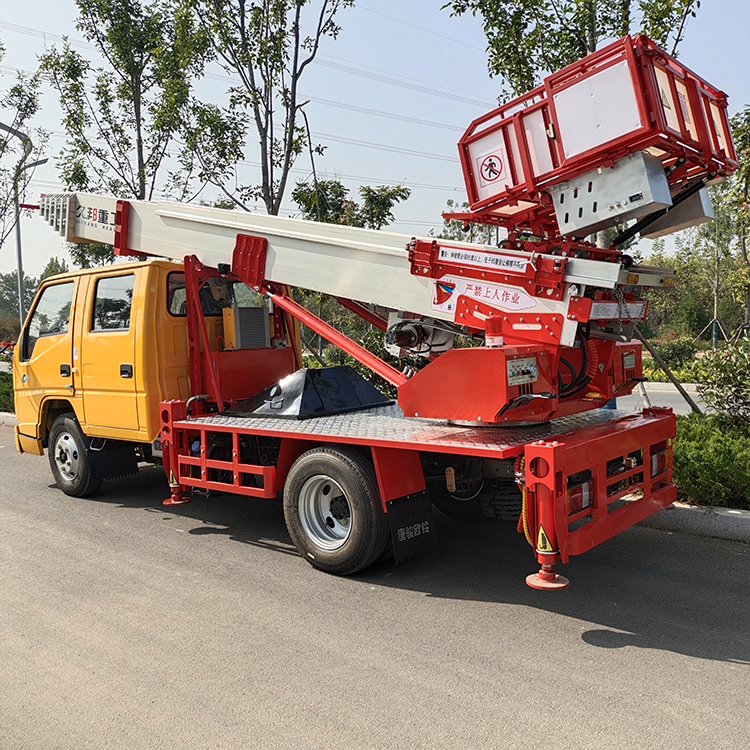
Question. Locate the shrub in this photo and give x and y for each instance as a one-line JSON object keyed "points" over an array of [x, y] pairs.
{"points": [[690, 372], [676, 352], [725, 381], [6, 392], [712, 462]]}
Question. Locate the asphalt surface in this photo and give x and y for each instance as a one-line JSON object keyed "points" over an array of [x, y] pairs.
{"points": [[127, 625]]}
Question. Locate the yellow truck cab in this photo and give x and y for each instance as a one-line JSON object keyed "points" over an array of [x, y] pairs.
{"points": [[99, 350]]}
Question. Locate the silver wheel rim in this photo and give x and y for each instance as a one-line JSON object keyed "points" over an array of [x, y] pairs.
{"points": [[325, 512], [67, 456]]}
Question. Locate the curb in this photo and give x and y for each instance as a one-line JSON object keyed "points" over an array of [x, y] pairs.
{"points": [[7, 419], [669, 387], [729, 524]]}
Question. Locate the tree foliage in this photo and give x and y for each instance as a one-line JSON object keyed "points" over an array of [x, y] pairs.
{"points": [[267, 46], [725, 381], [121, 119], [528, 38], [9, 292], [328, 201], [18, 105], [54, 266]]}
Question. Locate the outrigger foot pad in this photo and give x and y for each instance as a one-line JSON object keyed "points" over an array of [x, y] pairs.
{"points": [[176, 498], [547, 580]]}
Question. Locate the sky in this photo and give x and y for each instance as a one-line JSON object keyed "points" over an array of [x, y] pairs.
{"points": [[390, 97]]}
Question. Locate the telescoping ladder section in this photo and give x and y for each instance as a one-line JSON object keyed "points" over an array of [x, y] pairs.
{"points": [[371, 266]]}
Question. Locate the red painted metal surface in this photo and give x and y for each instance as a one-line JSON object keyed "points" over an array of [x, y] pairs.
{"points": [[364, 313], [249, 260], [399, 473], [245, 372], [682, 119], [628, 484], [204, 378], [539, 276], [122, 221], [314, 323], [471, 385]]}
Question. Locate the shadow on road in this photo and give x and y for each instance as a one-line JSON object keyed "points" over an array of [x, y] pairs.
{"points": [[645, 588]]}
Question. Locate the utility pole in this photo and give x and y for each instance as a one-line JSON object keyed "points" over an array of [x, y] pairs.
{"points": [[20, 169]]}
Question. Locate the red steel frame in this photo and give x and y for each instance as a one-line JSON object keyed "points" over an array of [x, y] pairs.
{"points": [[691, 151], [398, 467], [549, 464]]}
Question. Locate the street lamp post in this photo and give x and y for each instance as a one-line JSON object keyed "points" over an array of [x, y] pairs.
{"points": [[22, 167]]}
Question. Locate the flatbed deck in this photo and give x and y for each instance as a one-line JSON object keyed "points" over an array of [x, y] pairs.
{"points": [[387, 427]]}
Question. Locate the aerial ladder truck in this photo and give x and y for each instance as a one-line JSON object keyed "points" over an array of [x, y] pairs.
{"points": [[523, 341]]}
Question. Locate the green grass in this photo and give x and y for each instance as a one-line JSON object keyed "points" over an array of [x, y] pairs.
{"points": [[6, 392]]}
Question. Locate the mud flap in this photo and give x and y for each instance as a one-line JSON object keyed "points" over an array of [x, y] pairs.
{"points": [[412, 526], [113, 460]]}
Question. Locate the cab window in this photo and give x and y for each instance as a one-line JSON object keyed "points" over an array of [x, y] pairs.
{"points": [[113, 303], [51, 316], [214, 295]]}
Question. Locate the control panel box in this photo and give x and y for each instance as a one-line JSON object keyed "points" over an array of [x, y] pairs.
{"points": [[522, 371]]}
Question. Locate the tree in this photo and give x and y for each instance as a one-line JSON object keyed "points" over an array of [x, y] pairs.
{"points": [[527, 38], [265, 45], [9, 292], [738, 202], [328, 201], [18, 105], [53, 267], [120, 127]]}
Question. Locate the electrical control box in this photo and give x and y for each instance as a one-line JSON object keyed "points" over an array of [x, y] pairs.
{"points": [[522, 371], [632, 187]]}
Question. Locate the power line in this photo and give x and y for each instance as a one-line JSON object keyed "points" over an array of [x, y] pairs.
{"points": [[385, 147], [39, 34], [420, 28], [375, 74], [402, 83]]}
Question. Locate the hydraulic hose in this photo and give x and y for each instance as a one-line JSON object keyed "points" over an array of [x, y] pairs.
{"points": [[523, 521]]}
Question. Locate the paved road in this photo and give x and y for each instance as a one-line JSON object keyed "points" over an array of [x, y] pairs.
{"points": [[127, 625], [670, 398]]}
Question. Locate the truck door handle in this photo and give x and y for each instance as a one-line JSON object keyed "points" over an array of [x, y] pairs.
{"points": [[126, 371], [65, 371]]}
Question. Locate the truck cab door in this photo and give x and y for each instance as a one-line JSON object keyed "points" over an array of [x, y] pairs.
{"points": [[44, 366], [107, 352]]}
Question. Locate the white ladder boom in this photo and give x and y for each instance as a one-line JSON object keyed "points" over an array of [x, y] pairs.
{"points": [[360, 264]]}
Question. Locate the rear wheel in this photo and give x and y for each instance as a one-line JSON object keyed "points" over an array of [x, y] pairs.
{"points": [[333, 510], [68, 458]]}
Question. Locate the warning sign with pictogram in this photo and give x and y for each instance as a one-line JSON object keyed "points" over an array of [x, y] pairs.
{"points": [[491, 168], [542, 542], [172, 477]]}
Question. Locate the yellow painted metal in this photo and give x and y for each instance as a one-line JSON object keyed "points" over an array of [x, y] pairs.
{"points": [[106, 404], [26, 444], [38, 378], [230, 328]]}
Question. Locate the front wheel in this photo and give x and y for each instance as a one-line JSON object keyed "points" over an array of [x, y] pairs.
{"points": [[69, 459], [333, 510]]}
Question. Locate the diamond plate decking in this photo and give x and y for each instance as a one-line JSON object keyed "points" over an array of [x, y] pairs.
{"points": [[387, 427]]}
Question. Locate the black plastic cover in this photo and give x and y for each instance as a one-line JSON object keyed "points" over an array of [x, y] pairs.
{"points": [[313, 393]]}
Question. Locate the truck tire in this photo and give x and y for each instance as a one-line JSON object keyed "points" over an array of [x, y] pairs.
{"points": [[333, 510], [68, 458]]}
